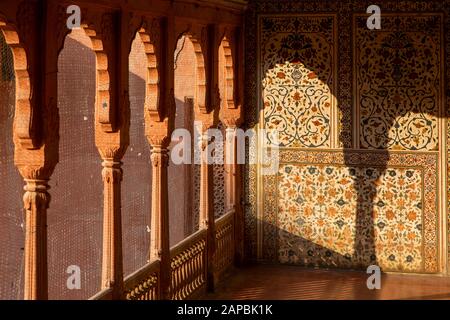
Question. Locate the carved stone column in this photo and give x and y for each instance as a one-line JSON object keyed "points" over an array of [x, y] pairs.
{"points": [[36, 201], [112, 265], [230, 167], [234, 190], [207, 209], [159, 235]]}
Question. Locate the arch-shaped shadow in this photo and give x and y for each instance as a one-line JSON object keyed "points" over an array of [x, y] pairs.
{"points": [[406, 64]]}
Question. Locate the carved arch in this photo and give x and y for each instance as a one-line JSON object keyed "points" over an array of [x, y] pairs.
{"points": [[150, 36], [103, 94], [101, 34], [23, 118], [199, 42], [229, 92]]}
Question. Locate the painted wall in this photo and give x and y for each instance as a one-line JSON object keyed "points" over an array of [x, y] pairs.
{"points": [[361, 124]]}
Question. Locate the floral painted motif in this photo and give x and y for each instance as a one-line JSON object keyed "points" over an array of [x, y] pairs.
{"points": [[327, 208], [396, 35], [399, 82], [298, 55], [318, 203]]}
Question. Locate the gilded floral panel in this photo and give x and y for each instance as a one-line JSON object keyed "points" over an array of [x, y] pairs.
{"points": [[353, 209], [399, 82], [297, 59]]}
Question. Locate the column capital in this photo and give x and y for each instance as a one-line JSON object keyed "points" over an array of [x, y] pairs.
{"points": [[158, 142], [111, 153], [157, 133], [205, 121], [159, 157], [36, 194], [231, 122], [34, 172], [232, 117], [112, 171]]}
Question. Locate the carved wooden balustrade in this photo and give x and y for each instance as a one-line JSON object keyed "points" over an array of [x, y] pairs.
{"points": [[224, 255], [143, 284], [188, 266]]}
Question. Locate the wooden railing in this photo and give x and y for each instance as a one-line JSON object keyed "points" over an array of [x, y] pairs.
{"points": [[188, 266], [224, 254], [143, 284]]}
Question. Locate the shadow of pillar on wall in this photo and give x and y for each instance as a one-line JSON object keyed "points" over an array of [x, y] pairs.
{"points": [[317, 256], [396, 112], [364, 252]]}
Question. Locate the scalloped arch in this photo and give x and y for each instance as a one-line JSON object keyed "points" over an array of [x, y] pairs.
{"points": [[228, 87], [103, 88], [103, 96], [152, 90], [201, 80], [23, 118]]}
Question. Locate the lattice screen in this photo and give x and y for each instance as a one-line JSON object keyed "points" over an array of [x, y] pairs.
{"points": [[219, 175]]}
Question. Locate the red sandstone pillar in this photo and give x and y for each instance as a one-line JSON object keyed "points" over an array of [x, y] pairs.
{"points": [[234, 191], [112, 267], [159, 235], [36, 201], [207, 210]]}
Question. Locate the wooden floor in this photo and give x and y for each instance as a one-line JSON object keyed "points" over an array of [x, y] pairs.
{"points": [[295, 283]]}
